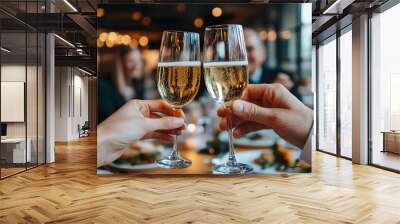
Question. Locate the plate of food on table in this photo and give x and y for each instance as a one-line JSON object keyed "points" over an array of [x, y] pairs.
{"points": [[262, 138], [279, 158], [140, 155]]}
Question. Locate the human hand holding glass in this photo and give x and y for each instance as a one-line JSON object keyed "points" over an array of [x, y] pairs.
{"points": [[136, 120], [226, 78], [270, 106], [179, 73]]}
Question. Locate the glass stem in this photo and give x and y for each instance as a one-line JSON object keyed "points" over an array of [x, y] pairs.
{"points": [[175, 154], [231, 158]]}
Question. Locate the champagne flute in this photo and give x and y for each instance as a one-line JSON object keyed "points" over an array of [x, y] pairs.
{"points": [[226, 78], [179, 74]]}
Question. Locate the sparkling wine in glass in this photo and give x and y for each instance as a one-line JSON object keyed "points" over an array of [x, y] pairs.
{"points": [[179, 74], [226, 78]]}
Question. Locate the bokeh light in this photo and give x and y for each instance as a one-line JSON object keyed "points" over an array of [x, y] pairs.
{"points": [[103, 36], [100, 12], [126, 39], [198, 22], [136, 16], [146, 21], [134, 43], [112, 36], [109, 43], [263, 35], [216, 12], [143, 41], [100, 43], [272, 35], [285, 34]]}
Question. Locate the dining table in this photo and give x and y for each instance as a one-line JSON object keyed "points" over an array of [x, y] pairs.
{"points": [[201, 162]]}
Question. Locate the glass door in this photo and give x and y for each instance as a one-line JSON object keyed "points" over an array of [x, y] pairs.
{"points": [[14, 153], [22, 118]]}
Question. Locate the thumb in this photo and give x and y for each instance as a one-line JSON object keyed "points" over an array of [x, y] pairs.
{"points": [[164, 123], [252, 112]]}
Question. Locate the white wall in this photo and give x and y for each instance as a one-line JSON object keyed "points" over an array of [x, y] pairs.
{"points": [[16, 73], [33, 127], [71, 94]]}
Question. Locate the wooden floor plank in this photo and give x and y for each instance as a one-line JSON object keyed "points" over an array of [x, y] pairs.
{"points": [[70, 191]]}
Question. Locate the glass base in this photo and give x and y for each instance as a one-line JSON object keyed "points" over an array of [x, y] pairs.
{"points": [[179, 163], [239, 168]]}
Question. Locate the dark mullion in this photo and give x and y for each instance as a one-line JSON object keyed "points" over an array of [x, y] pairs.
{"points": [[316, 96], [45, 93], [299, 64], [0, 91], [26, 86], [37, 90], [73, 92], [338, 94], [369, 96]]}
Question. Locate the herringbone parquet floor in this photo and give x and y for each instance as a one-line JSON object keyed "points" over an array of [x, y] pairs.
{"points": [[69, 191]]}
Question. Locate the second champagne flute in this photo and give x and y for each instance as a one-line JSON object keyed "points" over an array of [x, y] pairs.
{"points": [[226, 78], [179, 74]]}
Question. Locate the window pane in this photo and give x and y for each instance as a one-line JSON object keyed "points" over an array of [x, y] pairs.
{"points": [[31, 97], [385, 83], [346, 94], [14, 150], [327, 97]]}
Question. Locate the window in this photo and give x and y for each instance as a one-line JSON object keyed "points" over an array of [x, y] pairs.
{"points": [[327, 97], [385, 89], [346, 94]]}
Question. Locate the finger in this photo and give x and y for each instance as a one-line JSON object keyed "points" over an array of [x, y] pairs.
{"points": [[164, 123], [156, 115], [162, 106], [178, 131], [234, 122], [255, 92], [252, 112], [247, 128], [269, 95], [158, 136]]}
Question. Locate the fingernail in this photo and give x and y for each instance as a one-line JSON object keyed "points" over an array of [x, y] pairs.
{"points": [[178, 121], [238, 106]]}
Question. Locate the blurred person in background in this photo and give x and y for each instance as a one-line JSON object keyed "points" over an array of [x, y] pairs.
{"points": [[258, 69], [124, 83]]}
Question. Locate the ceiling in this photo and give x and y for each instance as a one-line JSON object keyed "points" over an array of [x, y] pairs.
{"points": [[77, 24]]}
